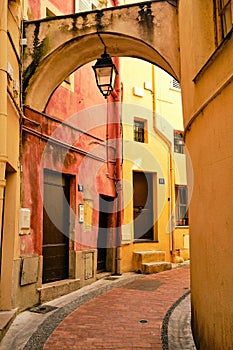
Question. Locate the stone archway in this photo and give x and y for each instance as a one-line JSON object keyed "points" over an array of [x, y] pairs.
{"points": [[58, 46]]}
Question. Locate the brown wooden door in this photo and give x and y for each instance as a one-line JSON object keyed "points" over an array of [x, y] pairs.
{"points": [[55, 248], [104, 241], [143, 205]]}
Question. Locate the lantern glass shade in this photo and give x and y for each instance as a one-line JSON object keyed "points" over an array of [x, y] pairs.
{"points": [[105, 74]]}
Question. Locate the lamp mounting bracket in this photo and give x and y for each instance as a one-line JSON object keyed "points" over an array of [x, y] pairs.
{"points": [[105, 48]]}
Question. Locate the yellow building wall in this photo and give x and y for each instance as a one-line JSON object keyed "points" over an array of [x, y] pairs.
{"points": [[168, 99], [148, 94], [207, 88], [9, 149], [210, 143]]}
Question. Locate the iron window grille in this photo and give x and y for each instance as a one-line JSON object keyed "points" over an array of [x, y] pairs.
{"points": [[175, 84], [178, 142], [139, 131]]}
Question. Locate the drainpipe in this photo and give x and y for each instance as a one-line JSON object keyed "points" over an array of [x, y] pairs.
{"points": [[3, 105], [116, 96], [172, 197], [170, 165]]}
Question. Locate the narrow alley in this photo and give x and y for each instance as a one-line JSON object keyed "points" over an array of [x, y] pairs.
{"points": [[125, 312]]}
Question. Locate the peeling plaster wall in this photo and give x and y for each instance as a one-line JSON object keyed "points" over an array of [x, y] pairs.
{"points": [[58, 158]]}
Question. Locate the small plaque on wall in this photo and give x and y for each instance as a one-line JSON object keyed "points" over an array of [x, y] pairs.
{"points": [[80, 188], [161, 181]]}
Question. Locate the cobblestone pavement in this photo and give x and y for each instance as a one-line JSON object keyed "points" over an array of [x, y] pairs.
{"points": [[179, 326], [143, 312]]}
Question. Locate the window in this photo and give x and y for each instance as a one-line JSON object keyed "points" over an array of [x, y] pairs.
{"points": [[140, 130], [224, 14], [85, 5], [182, 218], [178, 142]]}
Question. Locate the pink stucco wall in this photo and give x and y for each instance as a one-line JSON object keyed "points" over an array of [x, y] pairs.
{"points": [[39, 154]]}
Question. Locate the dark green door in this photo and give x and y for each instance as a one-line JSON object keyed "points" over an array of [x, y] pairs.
{"points": [[55, 248], [104, 241], [143, 205]]}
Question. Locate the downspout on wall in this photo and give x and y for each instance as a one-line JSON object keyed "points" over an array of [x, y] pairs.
{"points": [[170, 166], [3, 105], [117, 101]]}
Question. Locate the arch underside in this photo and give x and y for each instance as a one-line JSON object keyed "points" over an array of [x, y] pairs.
{"points": [[56, 47], [74, 54]]}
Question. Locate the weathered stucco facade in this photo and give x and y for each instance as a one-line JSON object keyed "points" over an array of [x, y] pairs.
{"points": [[198, 55], [150, 98], [206, 79], [142, 31], [68, 145], [10, 115]]}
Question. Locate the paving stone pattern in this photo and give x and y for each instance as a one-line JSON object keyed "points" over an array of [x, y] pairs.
{"points": [[125, 317], [179, 326], [130, 311]]}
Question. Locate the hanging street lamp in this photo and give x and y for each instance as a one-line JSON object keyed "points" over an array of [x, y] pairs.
{"points": [[105, 74]]}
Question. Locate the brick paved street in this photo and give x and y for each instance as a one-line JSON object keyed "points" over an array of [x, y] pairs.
{"points": [[107, 313], [126, 317]]}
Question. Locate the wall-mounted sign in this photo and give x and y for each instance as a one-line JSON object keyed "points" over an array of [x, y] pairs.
{"points": [[80, 188], [81, 213]]}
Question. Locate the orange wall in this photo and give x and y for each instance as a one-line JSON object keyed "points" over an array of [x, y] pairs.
{"points": [[207, 88]]}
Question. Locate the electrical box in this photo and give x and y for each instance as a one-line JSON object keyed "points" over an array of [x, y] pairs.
{"points": [[24, 221], [148, 85], [137, 91]]}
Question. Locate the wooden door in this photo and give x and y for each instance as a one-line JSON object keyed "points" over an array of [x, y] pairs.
{"points": [[143, 205], [55, 248], [105, 225]]}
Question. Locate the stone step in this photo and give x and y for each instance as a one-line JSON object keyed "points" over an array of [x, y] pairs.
{"points": [[147, 256], [53, 290], [155, 267], [6, 319]]}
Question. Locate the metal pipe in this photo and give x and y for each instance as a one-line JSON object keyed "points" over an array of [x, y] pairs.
{"points": [[63, 144], [64, 123], [3, 103], [117, 103]]}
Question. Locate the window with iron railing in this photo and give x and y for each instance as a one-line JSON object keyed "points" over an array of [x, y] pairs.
{"points": [[178, 142], [175, 84], [140, 130]]}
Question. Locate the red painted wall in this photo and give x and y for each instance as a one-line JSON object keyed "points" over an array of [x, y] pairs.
{"points": [[87, 110], [34, 11], [39, 153], [65, 6], [65, 103]]}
